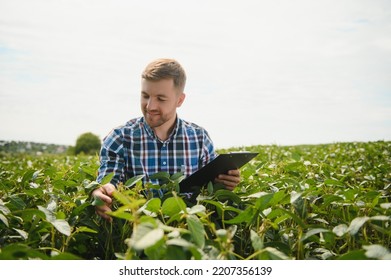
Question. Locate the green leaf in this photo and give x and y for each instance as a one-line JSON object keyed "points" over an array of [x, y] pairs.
{"points": [[295, 218], [173, 205], [178, 177], [150, 220], [333, 182], [132, 181], [380, 218], [377, 252], [350, 194], [210, 188], [145, 236], [256, 241], [4, 219], [340, 230], [295, 196], [312, 232], [27, 176], [65, 256], [107, 179], [180, 242], [197, 209], [294, 166], [4, 209], [354, 255], [277, 198], [50, 216], [157, 251], [22, 233], [197, 230], [329, 198], [89, 170], [296, 156], [92, 186], [224, 195], [263, 202], [233, 209], [245, 216], [153, 205], [232, 230], [62, 226], [29, 215], [16, 202], [176, 217], [160, 176], [121, 215], [86, 229], [356, 224], [60, 215], [299, 204], [385, 205], [97, 202], [218, 204], [222, 234], [18, 251], [123, 199], [275, 254]]}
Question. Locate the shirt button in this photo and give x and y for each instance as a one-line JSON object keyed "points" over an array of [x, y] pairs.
{"points": [[164, 162]]}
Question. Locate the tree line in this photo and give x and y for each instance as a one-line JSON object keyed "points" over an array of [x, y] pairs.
{"points": [[87, 143]]}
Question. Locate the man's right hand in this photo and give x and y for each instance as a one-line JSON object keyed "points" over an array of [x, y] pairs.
{"points": [[104, 193]]}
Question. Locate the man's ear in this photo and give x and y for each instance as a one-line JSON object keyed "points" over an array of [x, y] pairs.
{"points": [[181, 98]]}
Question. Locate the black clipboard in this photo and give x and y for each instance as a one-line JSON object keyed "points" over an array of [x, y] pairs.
{"points": [[220, 165]]}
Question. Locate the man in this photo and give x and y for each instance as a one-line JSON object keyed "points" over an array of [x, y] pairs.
{"points": [[158, 141]]}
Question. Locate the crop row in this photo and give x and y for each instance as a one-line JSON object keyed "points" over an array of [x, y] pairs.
{"points": [[295, 202]]}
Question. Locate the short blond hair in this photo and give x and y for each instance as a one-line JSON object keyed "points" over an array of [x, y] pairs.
{"points": [[166, 68]]}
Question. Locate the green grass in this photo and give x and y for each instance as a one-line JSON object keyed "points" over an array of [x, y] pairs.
{"points": [[294, 202]]}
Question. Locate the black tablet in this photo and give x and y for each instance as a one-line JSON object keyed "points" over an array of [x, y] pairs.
{"points": [[220, 165]]}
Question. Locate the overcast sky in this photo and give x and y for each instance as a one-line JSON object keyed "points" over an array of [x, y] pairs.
{"points": [[259, 72]]}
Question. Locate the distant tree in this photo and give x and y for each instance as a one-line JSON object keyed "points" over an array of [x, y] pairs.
{"points": [[87, 143]]}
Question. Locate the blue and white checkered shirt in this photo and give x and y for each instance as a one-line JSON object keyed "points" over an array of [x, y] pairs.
{"points": [[134, 149]]}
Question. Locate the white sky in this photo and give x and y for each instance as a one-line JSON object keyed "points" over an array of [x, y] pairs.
{"points": [[259, 72]]}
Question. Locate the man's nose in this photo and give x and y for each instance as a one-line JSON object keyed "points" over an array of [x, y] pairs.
{"points": [[151, 105]]}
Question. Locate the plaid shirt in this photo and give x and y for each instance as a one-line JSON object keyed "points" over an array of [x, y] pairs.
{"points": [[133, 149]]}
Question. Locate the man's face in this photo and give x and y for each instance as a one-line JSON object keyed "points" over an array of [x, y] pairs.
{"points": [[159, 100]]}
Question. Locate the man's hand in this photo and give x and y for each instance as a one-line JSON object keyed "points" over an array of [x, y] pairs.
{"points": [[104, 193], [230, 180]]}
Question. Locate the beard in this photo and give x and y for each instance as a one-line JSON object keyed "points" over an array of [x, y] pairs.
{"points": [[154, 119]]}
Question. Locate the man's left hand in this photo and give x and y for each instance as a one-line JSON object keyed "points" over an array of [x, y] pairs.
{"points": [[229, 180]]}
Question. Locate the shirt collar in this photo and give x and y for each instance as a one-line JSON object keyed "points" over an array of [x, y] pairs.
{"points": [[152, 134]]}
